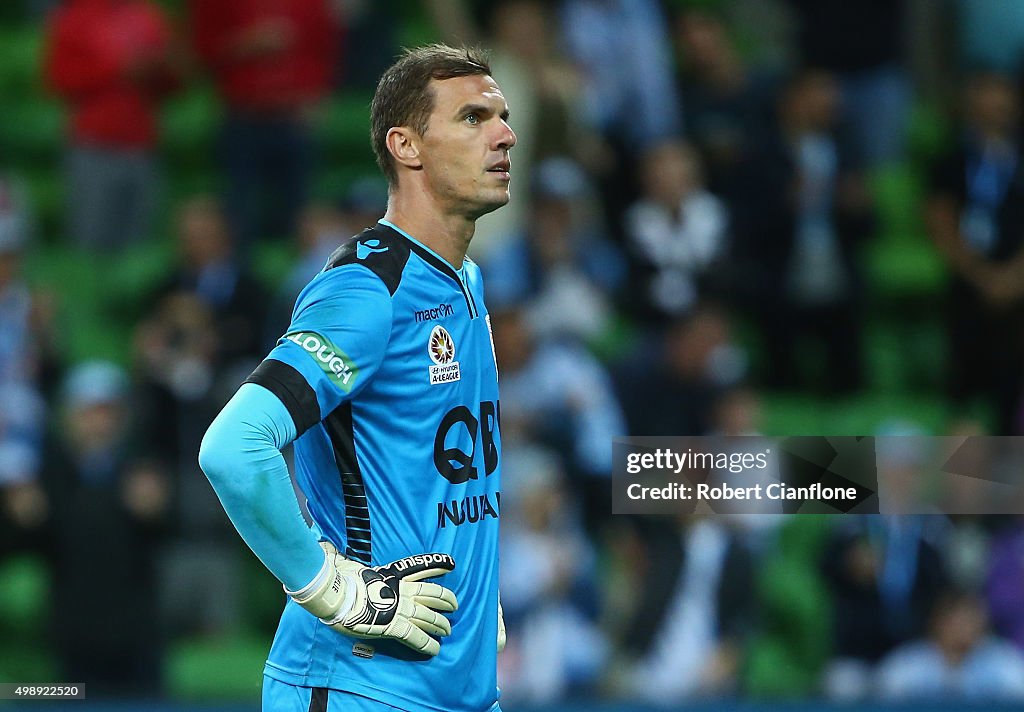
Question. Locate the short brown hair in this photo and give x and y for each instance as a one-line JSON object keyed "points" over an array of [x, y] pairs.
{"points": [[404, 98]]}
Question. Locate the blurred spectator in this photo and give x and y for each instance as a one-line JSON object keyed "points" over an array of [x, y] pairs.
{"points": [[728, 102], [885, 572], [1005, 584], [736, 421], [543, 88], [363, 204], [203, 330], [272, 62], [688, 630], [675, 234], [959, 661], [200, 338], [975, 217], [672, 388], [622, 51], [990, 34], [800, 217], [113, 62], [322, 228], [737, 412], [556, 394], [863, 44], [371, 42], [109, 510], [25, 348], [560, 267], [37, 9], [548, 592], [968, 549]]}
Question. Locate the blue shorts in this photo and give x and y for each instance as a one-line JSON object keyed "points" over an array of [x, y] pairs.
{"points": [[281, 697]]}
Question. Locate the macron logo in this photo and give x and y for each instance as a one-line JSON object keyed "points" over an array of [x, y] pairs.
{"points": [[365, 249]]}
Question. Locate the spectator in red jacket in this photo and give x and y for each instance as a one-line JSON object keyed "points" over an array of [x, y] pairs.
{"points": [[272, 61], [112, 61]]}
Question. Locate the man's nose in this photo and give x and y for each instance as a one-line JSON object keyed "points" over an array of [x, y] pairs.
{"points": [[507, 138]]}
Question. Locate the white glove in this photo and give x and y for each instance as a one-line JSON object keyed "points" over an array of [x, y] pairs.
{"points": [[382, 601], [501, 627]]}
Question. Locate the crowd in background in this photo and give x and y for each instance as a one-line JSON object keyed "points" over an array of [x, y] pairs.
{"points": [[692, 200]]}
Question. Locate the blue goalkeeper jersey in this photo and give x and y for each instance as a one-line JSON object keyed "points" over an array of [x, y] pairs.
{"points": [[388, 371]]}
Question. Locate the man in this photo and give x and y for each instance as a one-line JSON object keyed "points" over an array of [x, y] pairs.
{"points": [[974, 216], [113, 62], [800, 216], [273, 62], [386, 382]]}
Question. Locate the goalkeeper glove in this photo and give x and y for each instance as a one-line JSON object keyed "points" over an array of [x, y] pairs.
{"points": [[382, 601], [501, 627]]}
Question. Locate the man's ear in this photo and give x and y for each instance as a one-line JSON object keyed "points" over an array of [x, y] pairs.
{"points": [[404, 145]]}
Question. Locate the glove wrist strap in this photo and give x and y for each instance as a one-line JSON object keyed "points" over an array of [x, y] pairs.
{"points": [[348, 600]]}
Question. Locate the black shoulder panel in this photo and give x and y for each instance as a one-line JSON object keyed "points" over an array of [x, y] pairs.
{"points": [[381, 251], [291, 389]]}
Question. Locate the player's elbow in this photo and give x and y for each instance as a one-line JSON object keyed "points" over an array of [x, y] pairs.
{"points": [[215, 454]]}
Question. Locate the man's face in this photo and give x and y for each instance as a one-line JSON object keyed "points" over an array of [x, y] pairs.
{"points": [[465, 150], [992, 105]]}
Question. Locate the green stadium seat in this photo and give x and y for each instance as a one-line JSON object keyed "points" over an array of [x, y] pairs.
{"points": [[32, 132], [901, 260], [78, 280], [930, 130], [789, 414], [45, 186], [416, 28], [271, 262], [906, 278], [903, 359], [136, 271], [21, 68], [24, 599], [222, 668], [182, 184], [188, 128], [24, 592], [343, 130], [906, 268], [333, 181], [786, 654]]}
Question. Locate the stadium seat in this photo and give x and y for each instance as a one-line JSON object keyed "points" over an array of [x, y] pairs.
{"points": [[223, 668], [787, 652], [188, 127], [901, 260], [20, 70], [24, 597], [32, 132], [343, 130], [794, 414]]}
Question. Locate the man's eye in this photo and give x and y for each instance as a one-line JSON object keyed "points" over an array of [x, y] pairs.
{"points": [[473, 119]]}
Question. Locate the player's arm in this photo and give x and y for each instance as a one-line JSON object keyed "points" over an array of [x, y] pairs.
{"points": [[241, 456], [306, 376]]}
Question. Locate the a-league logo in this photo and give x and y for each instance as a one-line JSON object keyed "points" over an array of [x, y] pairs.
{"points": [[441, 348]]}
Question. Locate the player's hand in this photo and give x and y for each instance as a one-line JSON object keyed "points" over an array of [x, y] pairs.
{"points": [[389, 601], [501, 627]]}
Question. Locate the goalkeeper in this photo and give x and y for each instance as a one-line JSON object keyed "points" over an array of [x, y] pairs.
{"points": [[385, 382]]}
